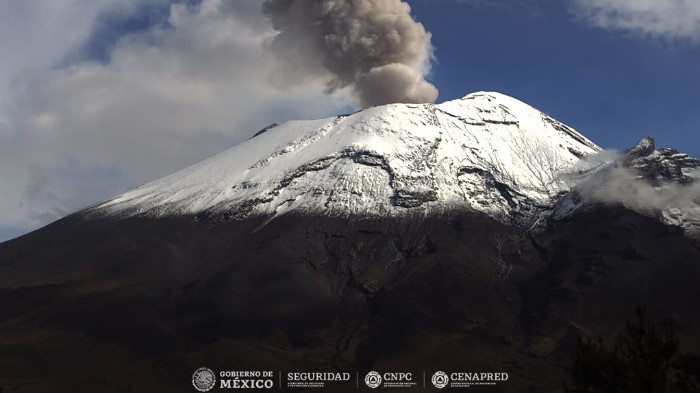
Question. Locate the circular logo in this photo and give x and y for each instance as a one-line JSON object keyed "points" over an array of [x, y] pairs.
{"points": [[203, 379], [373, 379], [440, 380]]}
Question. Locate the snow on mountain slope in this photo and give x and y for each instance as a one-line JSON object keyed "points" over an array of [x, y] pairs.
{"points": [[486, 152]]}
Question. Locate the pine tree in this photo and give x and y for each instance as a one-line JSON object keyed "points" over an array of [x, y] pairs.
{"points": [[644, 359]]}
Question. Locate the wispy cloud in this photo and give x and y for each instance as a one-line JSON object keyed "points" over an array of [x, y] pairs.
{"points": [[608, 180], [620, 185], [668, 19], [665, 19]]}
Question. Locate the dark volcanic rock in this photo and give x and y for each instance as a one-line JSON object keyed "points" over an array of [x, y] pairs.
{"points": [[137, 305], [643, 148]]}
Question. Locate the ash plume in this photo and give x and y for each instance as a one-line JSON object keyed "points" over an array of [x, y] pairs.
{"points": [[374, 47]]}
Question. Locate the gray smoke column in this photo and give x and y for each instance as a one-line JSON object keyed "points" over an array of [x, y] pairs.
{"points": [[373, 46]]}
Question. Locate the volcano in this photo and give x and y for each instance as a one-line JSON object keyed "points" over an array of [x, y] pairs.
{"points": [[459, 236]]}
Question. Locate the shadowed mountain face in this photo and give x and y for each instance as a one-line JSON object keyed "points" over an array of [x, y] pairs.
{"points": [[137, 304]]}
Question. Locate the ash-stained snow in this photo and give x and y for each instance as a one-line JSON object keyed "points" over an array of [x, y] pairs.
{"points": [[486, 152]]}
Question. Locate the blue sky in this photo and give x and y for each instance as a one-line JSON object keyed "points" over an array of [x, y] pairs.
{"points": [[99, 97], [615, 86]]}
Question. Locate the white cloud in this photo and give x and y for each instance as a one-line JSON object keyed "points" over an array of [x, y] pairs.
{"points": [[623, 185], [672, 19], [168, 97], [37, 34]]}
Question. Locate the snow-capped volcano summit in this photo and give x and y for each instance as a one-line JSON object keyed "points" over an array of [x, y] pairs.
{"points": [[543, 241], [487, 152]]}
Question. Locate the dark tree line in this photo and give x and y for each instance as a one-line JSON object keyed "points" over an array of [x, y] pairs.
{"points": [[645, 358]]}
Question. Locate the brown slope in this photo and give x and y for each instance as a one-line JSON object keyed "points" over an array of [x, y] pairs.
{"points": [[137, 305]]}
